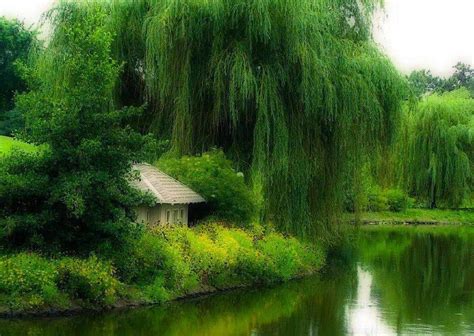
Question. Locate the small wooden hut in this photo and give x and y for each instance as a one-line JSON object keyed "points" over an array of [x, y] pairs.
{"points": [[173, 199]]}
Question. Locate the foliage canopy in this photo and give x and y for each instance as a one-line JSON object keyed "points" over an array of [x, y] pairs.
{"points": [[16, 42], [74, 195], [212, 176], [296, 93]]}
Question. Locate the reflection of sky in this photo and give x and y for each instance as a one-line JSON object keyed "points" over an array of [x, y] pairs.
{"points": [[363, 315]]}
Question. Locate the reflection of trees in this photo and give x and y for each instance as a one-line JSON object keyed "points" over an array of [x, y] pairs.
{"points": [[291, 309], [322, 310], [429, 281]]}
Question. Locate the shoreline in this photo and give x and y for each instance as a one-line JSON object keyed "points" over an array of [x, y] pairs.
{"points": [[408, 222], [132, 304], [163, 266]]}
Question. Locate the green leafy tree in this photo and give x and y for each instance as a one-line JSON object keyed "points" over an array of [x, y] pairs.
{"points": [[212, 175], [293, 91], [16, 41], [423, 81], [74, 195], [437, 149], [463, 76]]}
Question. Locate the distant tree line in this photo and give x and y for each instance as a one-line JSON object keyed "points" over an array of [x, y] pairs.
{"points": [[423, 81]]}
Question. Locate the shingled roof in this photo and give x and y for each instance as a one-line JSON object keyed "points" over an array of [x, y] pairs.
{"points": [[166, 189]]}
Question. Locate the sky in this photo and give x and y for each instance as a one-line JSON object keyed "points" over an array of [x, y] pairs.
{"points": [[415, 34]]}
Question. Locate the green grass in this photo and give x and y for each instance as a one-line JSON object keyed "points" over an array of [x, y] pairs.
{"points": [[423, 215], [7, 144], [460, 231]]}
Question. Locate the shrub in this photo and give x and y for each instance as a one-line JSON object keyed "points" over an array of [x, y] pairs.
{"points": [[212, 175], [208, 259], [163, 264], [158, 257], [157, 291], [397, 200], [377, 201], [90, 280], [310, 257], [392, 200], [282, 257], [244, 263], [29, 278], [222, 257], [29, 281]]}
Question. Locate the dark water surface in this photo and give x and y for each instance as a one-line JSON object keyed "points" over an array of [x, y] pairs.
{"points": [[397, 284]]}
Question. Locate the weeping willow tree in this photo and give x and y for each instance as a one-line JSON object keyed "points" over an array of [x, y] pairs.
{"points": [[295, 91], [436, 149]]}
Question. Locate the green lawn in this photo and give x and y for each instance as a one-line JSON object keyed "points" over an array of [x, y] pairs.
{"points": [[423, 215], [7, 144]]}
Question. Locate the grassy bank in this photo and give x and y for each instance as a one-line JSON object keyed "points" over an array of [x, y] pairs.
{"points": [[162, 265], [460, 231], [7, 144], [422, 216]]}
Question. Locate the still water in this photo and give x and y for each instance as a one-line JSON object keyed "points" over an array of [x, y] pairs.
{"points": [[393, 284]]}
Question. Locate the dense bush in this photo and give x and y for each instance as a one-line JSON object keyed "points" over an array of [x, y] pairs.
{"points": [[89, 280], [397, 200], [16, 42], [388, 200], [221, 256], [209, 260], [156, 260], [282, 257], [27, 280], [167, 263], [212, 175], [247, 263], [377, 201], [162, 265]]}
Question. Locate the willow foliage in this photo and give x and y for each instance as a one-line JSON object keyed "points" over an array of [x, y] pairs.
{"points": [[294, 91], [437, 149]]}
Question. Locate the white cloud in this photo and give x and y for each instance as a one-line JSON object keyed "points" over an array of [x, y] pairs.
{"points": [[433, 34], [26, 10]]}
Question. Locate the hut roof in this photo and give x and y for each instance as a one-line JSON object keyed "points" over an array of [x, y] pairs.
{"points": [[166, 189]]}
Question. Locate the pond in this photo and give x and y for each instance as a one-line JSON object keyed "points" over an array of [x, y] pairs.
{"points": [[398, 283]]}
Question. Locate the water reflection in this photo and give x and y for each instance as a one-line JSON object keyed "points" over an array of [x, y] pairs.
{"points": [[425, 282], [363, 315], [402, 284]]}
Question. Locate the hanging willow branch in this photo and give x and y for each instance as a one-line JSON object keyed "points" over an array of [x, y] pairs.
{"points": [[293, 90], [436, 149]]}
